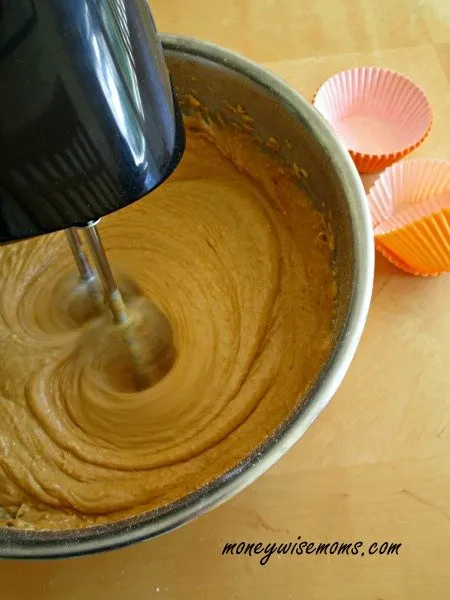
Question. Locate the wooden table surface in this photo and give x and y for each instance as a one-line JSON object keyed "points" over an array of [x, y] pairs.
{"points": [[376, 465]]}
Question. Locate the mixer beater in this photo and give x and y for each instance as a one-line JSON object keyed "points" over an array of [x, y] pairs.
{"points": [[111, 293], [87, 275]]}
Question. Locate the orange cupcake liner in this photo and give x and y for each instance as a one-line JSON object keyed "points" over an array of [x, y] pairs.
{"points": [[410, 208], [420, 248]]}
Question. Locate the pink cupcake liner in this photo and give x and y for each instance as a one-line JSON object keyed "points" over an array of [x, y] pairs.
{"points": [[379, 115]]}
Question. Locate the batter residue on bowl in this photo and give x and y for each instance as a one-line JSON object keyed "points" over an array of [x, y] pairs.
{"points": [[233, 255]]}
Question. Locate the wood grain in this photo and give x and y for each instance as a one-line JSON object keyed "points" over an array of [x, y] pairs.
{"points": [[376, 465]]}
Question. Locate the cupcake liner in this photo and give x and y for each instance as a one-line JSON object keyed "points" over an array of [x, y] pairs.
{"points": [[379, 115], [421, 248], [410, 208], [413, 213], [410, 183]]}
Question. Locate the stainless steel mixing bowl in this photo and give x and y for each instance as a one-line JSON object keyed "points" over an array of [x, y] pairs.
{"points": [[214, 76]]}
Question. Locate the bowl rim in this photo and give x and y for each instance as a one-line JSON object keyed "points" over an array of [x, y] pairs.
{"points": [[98, 538]]}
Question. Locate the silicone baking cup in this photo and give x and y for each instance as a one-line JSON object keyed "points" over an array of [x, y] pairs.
{"points": [[379, 115], [410, 208]]}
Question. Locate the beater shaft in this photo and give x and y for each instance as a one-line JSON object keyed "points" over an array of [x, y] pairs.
{"points": [[115, 300], [87, 275]]}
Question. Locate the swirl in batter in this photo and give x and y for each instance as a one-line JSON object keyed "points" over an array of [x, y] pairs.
{"points": [[232, 255]]}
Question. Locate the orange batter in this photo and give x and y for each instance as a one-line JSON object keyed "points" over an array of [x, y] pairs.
{"points": [[232, 254]]}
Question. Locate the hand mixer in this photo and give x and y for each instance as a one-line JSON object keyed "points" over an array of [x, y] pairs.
{"points": [[89, 123]]}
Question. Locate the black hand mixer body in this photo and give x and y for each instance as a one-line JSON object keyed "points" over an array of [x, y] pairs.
{"points": [[88, 119], [89, 123]]}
